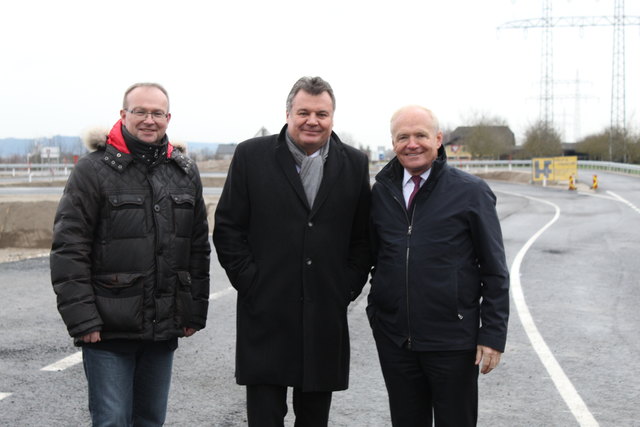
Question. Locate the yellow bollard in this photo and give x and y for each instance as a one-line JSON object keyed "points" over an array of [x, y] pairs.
{"points": [[572, 185], [594, 186]]}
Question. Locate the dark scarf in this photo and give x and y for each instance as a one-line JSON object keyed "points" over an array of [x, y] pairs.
{"points": [[144, 152]]}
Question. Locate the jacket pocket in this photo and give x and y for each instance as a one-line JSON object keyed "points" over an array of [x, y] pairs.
{"points": [[127, 217], [433, 292], [184, 299], [388, 288], [119, 301], [183, 208]]}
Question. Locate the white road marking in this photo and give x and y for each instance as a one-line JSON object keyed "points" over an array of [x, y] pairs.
{"points": [[65, 363], [4, 395], [220, 294], [563, 384], [76, 358], [625, 201]]}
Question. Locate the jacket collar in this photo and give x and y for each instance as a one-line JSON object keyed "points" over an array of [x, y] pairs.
{"points": [[393, 172], [116, 139], [118, 156], [332, 168]]}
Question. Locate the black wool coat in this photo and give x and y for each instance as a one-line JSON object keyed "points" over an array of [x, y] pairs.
{"points": [[295, 269]]}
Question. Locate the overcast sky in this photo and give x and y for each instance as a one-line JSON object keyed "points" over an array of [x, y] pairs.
{"points": [[228, 65]]}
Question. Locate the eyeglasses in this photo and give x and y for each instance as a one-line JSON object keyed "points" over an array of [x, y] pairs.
{"points": [[155, 115]]}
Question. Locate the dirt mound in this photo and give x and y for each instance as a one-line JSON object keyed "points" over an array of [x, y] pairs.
{"points": [[27, 224], [511, 176]]}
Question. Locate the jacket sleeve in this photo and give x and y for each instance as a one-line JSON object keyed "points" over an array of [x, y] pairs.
{"points": [[200, 261], [494, 274], [76, 218], [360, 258], [231, 229]]}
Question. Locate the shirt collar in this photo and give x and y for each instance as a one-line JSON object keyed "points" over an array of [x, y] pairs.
{"points": [[407, 176]]}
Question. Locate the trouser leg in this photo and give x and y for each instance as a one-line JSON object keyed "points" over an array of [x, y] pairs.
{"points": [[453, 379], [311, 408], [110, 385], [266, 405], [151, 386], [407, 386]]}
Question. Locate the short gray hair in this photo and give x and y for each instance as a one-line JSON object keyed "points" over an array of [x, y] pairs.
{"points": [[137, 85], [434, 120], [313, 86]]}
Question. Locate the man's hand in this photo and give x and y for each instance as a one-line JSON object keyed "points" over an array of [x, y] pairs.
{"points": [[489, 358], [189, 331], [91, 337]]}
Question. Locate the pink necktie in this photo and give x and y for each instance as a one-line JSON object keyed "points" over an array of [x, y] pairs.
{"points": [[416, 186]]}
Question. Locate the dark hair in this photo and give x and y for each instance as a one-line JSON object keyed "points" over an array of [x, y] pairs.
{"points": [[137, 85], [313, 86]]}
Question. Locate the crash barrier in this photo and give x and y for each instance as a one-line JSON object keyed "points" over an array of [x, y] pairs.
{"points": [[62, 170]]}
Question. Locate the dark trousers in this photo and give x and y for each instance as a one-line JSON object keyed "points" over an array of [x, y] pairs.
{"points": [[429, 385], [267, 406]]}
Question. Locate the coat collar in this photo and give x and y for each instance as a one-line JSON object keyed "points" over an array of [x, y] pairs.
{"points": [[332, 168], [393, 171], [118, 156]]}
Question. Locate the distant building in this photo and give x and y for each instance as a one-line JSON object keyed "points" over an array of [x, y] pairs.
{"points": [[456, 141], [262, 132], [225, 151]]}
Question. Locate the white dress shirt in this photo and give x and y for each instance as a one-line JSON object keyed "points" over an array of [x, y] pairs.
{"points": [[407, 184]]}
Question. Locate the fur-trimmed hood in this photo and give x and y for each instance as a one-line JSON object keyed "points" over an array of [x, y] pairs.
{"points": [[98, 138]]}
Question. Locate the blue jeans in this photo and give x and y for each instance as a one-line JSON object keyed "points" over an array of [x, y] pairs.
{"points": [[128, 388]]}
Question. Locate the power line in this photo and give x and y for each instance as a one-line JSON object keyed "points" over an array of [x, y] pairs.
{"points": [[547, 22]]}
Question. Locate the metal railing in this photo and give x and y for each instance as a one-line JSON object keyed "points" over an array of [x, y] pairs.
{"points": [[29, 172], [26, 172], [622, 168]]}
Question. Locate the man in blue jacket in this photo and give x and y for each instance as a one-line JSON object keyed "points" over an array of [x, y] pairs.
{"points": [[439, 300]]}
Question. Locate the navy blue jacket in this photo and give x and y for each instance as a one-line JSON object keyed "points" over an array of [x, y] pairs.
{"points": [[440, 280]]}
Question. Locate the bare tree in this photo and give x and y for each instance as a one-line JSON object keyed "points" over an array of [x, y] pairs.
{"points": [[616, 146], [541, 141], [595, 146]]}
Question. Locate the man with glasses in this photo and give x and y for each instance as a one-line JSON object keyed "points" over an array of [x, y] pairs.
{"points": [[130, 260]]}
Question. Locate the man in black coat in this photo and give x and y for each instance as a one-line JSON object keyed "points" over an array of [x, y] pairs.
{"points": [[291, 231], [439, 300]]}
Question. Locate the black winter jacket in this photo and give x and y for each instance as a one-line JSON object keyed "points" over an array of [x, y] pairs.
{"points": [[440, 280], [130, 252]]}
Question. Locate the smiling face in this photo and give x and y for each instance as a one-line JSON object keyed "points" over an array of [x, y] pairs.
{"points": [[150, 99], [310, 120], [416, 138]]}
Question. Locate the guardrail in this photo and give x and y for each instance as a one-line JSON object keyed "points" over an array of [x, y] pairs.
{"points": [[614, 167], [622, 168], [29, 172], [40, 171]]}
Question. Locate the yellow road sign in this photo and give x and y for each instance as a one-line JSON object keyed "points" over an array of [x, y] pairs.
{"points": [[553, 168]]}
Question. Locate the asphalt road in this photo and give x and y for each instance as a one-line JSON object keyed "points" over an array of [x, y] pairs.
{"points": [[571, 355]]}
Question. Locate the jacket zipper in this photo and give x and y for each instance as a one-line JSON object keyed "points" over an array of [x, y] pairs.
{"points": [[406, 267], [406, 276]]}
